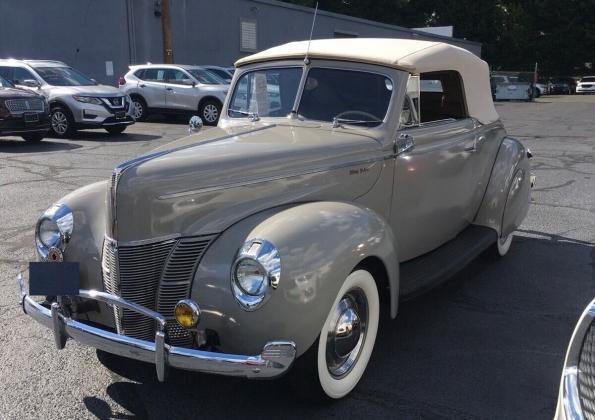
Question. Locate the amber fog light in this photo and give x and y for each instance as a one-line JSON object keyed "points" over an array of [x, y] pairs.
{"points": [[187, 313]]}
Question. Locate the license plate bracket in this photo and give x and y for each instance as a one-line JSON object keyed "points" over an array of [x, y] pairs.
{"points": [[54, 279], [31, 117]]}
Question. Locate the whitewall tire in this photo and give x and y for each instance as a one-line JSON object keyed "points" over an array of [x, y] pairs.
{"points": [[335, 364], [503, 245]]}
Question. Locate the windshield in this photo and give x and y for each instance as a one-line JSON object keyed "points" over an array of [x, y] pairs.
{"points": [[64, 76], [347, 96], [5, 83], [207, 77], [222, 74], [265, 93], [588, 79]]}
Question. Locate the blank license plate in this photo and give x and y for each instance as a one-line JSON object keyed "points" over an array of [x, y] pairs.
{"points": [[54, 279], [31, 117]]}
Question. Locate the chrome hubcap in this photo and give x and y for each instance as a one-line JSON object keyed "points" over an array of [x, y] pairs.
{"points": [[59, 122], [137, 110], [211, 113], [347, 332]]}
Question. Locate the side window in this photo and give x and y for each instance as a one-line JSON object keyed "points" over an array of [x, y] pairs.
{"points": [[177, 77], [140, 74], [6, 72], [441, 96], [154, 75], [20, 74]]}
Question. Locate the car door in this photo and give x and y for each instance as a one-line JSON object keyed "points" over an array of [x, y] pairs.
{"points": [[152, 86], [180, 90], [433, 197]]}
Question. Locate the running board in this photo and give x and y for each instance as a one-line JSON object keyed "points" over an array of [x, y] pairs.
{"points": [[429, 270]]}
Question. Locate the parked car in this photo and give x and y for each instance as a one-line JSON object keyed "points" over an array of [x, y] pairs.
{"points": [[586, 85], [562, 87], [76, 101], [222, 72], [22, 113], [166, 88], [507, 87], [279, 235], [576, 399]]}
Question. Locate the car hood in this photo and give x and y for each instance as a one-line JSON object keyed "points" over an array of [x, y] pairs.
{"points": [[17, 93], [203, 183], [98, 90]]}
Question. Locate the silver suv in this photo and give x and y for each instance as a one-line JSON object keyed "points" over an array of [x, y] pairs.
{"points": [[76, 101], [166, 88]]}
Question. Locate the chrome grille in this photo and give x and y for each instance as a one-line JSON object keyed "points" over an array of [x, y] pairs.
{"points": [[17, 106], [155, 275]]}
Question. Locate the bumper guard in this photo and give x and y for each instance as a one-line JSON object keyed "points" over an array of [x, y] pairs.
{"points": [[274, 360]]}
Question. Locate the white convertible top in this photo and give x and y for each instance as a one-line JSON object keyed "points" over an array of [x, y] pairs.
{"points": [[405, 54]]}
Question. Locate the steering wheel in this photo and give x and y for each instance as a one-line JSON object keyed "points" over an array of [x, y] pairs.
{"points": [[356, 112]]}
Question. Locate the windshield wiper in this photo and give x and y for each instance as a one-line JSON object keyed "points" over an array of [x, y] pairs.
{"points": [[252, 115], [338, 121]]}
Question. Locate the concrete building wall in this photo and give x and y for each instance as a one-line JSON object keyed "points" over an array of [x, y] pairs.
{"points": [[88, 33]]}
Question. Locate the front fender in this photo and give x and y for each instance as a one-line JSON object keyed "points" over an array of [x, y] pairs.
{"points": [[506, 200], [319, 243]]}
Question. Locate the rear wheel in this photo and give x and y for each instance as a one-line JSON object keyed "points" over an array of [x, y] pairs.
{"points": [[116, 129], [209, 111], [34, 138], [61, 121], [138, 108], [333, 366]]}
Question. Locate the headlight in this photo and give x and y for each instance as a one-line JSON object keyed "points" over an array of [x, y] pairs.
{"points": [[256, 270], [88, 100], [53, 231]]}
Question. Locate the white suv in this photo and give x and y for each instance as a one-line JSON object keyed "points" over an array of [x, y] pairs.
{"points": [[586, 85], [167, 88], [76, 101]]}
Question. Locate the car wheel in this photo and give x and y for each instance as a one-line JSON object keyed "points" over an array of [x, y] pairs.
{"points": [[500, 248], [209, 111], [333, 366], [138, 108], [33, 138], [61, 122], [116, 129]]}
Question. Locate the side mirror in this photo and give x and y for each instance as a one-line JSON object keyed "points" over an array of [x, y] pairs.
{"points": [[195, 124], [188, 82], [31, 83]]}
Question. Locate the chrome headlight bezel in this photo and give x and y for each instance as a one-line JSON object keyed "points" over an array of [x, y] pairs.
{"points": [[62, 219], [264, 256], [88, 99]]}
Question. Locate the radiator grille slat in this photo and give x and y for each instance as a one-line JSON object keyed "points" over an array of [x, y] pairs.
{"points": [[155, 275], [17, 106]]}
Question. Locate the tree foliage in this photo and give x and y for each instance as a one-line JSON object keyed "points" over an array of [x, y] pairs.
{"points": [[559, 35]]}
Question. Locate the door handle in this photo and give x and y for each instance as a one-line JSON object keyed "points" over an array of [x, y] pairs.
{"points": [[168, 88], [404, 143], [471, 148], [142, 85]]}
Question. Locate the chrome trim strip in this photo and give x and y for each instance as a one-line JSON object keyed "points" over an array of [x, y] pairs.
{"points": [[569, 393], [274, 360], [144, 241], [275, 177]]}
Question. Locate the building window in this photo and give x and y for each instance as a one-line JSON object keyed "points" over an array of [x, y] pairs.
{"points": [[248, 35], [339, 33]]}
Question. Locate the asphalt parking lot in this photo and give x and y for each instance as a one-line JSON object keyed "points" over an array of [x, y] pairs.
{"points": [[490, 343]]}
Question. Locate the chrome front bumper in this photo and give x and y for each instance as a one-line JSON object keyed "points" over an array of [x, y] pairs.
{"points": [[276, 357]]}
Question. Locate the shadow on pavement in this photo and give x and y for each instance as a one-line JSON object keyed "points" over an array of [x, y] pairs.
{"points": [[22, 146], [97, 135], [489, 343]]}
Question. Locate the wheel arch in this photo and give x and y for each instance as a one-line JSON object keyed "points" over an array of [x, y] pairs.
{"points": [[207, 98], [502, 208]]}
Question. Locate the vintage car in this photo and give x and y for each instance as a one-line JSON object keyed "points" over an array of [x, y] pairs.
{"points": [[576, 399], [282, 234]]}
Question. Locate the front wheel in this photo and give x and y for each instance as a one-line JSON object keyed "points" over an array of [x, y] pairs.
{"points": [[116, 129], [500, 248], [210, 111], [61, 121], [336, 362]]}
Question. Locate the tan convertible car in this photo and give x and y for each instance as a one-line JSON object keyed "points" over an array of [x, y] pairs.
{"points": [[343, 175]]}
